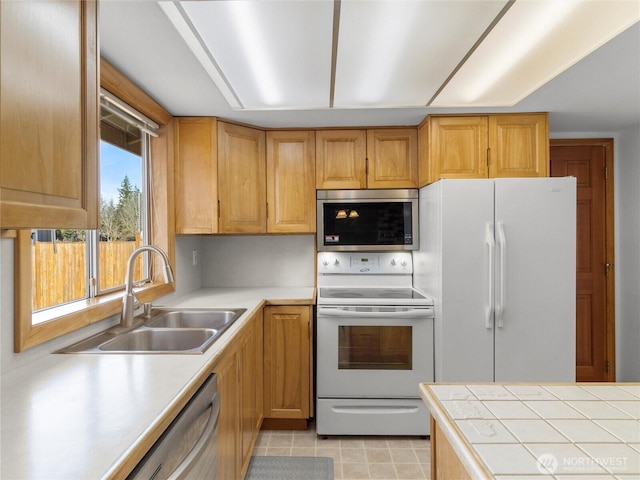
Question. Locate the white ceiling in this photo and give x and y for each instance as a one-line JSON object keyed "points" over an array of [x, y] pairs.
{"points": [[600, 93]]}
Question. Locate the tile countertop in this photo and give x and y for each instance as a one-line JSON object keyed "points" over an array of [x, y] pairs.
{"points": [[550, 431], [78, 416]]}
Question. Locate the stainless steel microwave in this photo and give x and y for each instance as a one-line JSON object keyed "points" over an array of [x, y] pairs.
{"points": [[367, 220]]}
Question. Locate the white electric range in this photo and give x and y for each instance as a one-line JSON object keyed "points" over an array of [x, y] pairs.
{"points": [[374, 345]]}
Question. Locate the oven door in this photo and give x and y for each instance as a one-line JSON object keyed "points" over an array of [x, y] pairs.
{"points": [[376, 352]]}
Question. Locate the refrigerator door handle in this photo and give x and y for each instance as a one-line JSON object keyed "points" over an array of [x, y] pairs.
{"points": [[500, 305], [491, 243]]}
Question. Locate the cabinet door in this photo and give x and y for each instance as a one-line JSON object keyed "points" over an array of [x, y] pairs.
{"points": [[250, 356], [519, 145], [241, 179], [423, 153], [458, 147], [393, 158], [49, 115], [341, 159], [287, 364], [229, 459], [291, 185], [196, 175]]}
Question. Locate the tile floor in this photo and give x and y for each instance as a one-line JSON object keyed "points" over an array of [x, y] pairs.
{"points": [[354, 457]]}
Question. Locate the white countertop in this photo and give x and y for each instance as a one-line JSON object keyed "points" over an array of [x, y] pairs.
{"points": [[77, 416], [550, 431]]}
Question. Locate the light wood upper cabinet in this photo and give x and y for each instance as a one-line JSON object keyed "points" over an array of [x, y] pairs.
{"points": [[287, 362], [291, 191], [196, 175], [227, 174], [393, 158], [514, 145], [519, 145], [375, 158], [49, 115], [457, 147], [341, 159], [241, 179], [423, 153]]}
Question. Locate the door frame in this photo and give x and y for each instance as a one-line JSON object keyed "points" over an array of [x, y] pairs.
{"points": [[607, 143]]}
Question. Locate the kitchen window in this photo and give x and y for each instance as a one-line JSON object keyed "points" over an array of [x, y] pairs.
{"points": [[72, 265], [68, 279]]}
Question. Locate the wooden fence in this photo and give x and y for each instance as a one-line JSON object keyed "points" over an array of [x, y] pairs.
{"points": [[60, 276]]}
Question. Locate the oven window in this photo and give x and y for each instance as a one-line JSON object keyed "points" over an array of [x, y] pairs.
{"points": [[374, 347]]}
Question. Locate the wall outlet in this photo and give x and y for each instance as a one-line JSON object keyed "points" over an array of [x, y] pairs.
{"points": [[194, 253]]}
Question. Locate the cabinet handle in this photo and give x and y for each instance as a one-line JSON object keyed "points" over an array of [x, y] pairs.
{"points": [[488, 161]]}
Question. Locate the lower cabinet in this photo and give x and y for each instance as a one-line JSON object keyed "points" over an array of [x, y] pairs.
{"points": [[445, 462], [229, 420], [288, 362], [240, 387], [251, 378], [264, 374]]}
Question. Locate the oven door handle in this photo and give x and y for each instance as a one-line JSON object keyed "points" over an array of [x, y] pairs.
{"points": [[344, 313]]}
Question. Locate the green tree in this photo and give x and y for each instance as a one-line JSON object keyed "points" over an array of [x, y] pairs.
{"points": [[128, 210], [69, 235], [109, 228]]}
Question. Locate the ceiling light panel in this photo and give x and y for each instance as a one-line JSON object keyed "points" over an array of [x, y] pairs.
{"points": [[398, 53], [274, 54], [532, 43]]}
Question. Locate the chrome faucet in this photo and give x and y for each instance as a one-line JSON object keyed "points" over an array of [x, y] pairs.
{"points": [[129, 301]]}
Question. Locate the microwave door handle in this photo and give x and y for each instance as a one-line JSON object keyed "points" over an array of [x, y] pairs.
{"points": [[339, 312]]}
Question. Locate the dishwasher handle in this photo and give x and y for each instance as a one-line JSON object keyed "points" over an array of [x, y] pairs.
{"points": [[200, 446]]}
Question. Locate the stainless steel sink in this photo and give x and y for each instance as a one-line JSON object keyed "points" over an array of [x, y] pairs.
{"points": [[191, 340], [217, 319], [165, 330]]}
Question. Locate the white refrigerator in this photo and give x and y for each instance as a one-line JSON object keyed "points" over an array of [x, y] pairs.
{"points": [[498, 256]]}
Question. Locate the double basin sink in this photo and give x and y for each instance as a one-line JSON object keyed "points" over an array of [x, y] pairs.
{"points": [[163, 330]]}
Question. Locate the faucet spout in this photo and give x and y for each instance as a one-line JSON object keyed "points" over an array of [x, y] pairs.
{"points": [[129, 301]]}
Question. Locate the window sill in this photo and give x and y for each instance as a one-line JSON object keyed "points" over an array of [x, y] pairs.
{"points": [[54, 322]]}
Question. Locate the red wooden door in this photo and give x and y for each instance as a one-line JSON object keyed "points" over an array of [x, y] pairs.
{"points": [[587, 163]]}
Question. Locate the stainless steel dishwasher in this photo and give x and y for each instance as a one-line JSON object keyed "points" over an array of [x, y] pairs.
{"points": [[188, 447]]}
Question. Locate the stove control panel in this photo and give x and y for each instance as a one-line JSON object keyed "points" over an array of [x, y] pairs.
{"points": [[380, 263]]}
